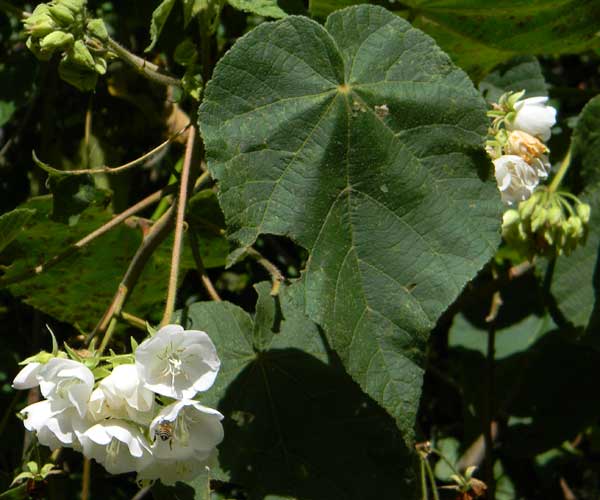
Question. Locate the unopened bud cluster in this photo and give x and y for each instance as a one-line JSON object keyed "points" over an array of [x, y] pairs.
{"points": [[548, 223], [516, 144], [63, 26]]}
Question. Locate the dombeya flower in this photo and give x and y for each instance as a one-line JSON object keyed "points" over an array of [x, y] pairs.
{"points": [[185, 429], [169, 471], [177, 363], [534, 117], [67, 383], [28, 376], [122, 395], [117, 445], [54, 427], [516, 179]]}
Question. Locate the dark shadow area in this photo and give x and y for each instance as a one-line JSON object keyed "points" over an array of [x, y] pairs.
{"points": [[297, 426]]}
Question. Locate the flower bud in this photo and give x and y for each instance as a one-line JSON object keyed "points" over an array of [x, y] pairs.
{"points": [[97, 29], [82, 56], [527, 207], [510, 217], [555, 215], [575, 227], [538, 218], [62, 14], [77, 75], [100, 65], [56, 40], [584, 210], [75, 6]]}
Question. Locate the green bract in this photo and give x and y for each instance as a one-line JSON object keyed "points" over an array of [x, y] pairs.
{"points": [[363, 142]]}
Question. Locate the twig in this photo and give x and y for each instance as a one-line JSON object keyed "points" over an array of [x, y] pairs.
{"points": [[106, 169], [149, 70], [134, 321], [206, 282], [115, 221], [85, 479], [184, 185], [150, 243], [276, 276], [142, 493], [488, 412]]}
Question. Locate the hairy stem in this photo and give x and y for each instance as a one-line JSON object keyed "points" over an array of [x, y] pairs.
{"points": [[146, 68], [429, 470], [276, 276], [106, 169], [184, 185], [206, 282], [115, 221]]}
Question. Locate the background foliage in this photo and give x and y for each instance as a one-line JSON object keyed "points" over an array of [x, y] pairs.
{"points": [[344, 148]]}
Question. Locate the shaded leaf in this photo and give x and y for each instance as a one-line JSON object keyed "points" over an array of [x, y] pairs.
{"points": [[479, 34], [159, 18], [575, 280], [72, 195], [191, 8], [362, 142], [265, 8], [79, 289], [296, 426], [11, 224], [522, 73]]}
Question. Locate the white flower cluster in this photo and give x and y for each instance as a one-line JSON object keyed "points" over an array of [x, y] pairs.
{"points": [[517, 147], [139, 418]]}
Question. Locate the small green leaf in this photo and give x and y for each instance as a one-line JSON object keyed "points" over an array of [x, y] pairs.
{"points": [[296, 425], [159, 18], [265, 8], [11, 224], [191, 8], [522, 73]]}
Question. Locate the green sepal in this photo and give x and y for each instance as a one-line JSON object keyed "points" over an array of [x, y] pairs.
{"points": [[56, 40], [97, 29], [62, 14]]}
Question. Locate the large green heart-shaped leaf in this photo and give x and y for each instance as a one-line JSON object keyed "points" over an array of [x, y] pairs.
{"points": [[296, 425], [522, 73], [361, 141]]}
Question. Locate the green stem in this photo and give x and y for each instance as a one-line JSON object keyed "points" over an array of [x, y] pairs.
{"points": [[206, 282], [146, 68], [564, 166], [184, 184], [429, 470], [424, 495]]}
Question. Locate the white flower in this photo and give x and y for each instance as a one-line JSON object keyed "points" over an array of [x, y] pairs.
{"points": [[171, 471], [54, 427], [177, 363], [185, 429], [28, 376], [515, 177], [123, 395], [117, 445], [533, 116], [67, 383]]}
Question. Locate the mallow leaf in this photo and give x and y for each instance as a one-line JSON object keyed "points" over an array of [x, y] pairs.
{"points": [[296, 425], [265, 8], [159, 18], [361, 141]]}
